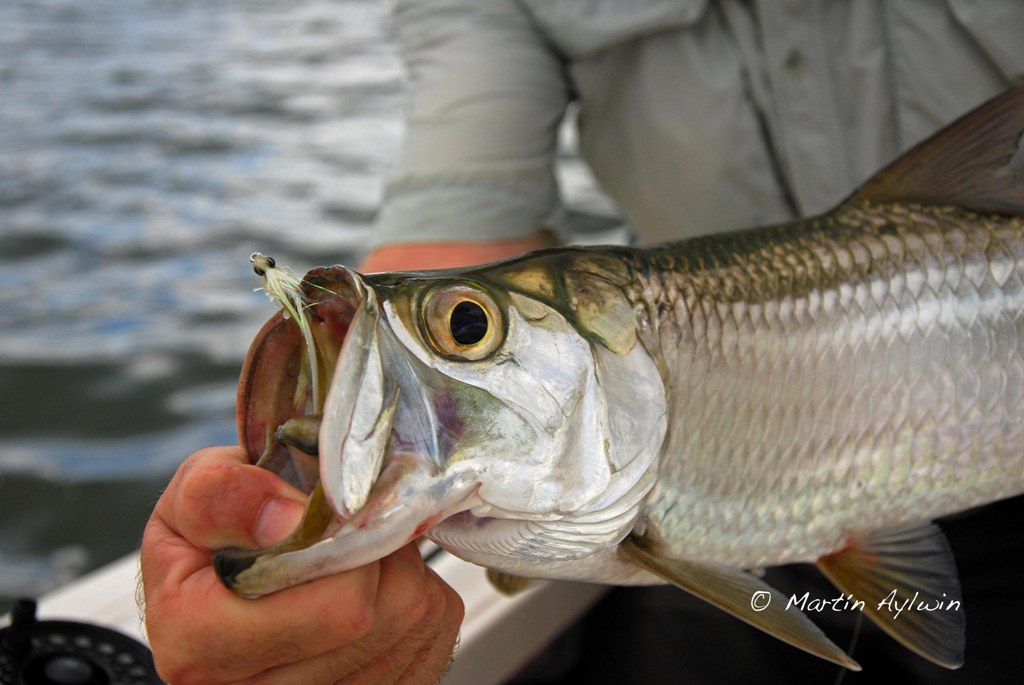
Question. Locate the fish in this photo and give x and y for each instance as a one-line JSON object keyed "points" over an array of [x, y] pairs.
{"points": [[818, 391]]}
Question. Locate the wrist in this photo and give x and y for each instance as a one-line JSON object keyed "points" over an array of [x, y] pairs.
{"points": [[434, 255]]}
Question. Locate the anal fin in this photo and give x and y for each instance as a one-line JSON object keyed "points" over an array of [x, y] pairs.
{"points": [[738, 593], [907, 579]]}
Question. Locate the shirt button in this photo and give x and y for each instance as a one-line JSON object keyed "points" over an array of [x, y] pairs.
{"points": [[795, 63]]}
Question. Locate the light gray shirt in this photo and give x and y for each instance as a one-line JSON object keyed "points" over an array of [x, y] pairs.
{"points": [[695, 116]]}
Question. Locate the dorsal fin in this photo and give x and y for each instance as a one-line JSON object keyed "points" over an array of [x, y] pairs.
{"points": [[976, 163]]}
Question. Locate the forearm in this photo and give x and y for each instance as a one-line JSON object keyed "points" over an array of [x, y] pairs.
{"points": [[443, 255], [485, 97]]}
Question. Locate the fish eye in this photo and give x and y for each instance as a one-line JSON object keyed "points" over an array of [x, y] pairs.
{"points": [[468, 323], [462, 322]]}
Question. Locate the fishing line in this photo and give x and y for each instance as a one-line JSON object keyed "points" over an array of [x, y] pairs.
{"points": [[851, 647]]}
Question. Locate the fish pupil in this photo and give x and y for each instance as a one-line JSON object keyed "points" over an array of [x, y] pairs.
{"points": [[468, 323]]}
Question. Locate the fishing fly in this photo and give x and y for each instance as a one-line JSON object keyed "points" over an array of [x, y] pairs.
{"points": [[281, 284]]}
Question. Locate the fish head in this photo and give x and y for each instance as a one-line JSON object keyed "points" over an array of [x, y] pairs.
{"points": [[458, 399]]}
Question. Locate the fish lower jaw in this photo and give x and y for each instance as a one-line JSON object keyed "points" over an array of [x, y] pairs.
{"points": [[392, 518]]}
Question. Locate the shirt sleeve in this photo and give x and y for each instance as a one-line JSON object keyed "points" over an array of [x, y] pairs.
{"points": [[486, 94]]}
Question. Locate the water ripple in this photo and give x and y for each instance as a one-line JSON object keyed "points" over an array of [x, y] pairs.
{"points": [[148, 147]]}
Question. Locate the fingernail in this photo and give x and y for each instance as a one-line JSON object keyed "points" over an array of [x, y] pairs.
{"points": [[278, 517]]}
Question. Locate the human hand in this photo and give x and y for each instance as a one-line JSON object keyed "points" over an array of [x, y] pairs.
{"points": [[393, 621]]}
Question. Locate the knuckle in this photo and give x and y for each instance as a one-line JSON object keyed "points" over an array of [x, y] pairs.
{"points": [[282, 651], [408, 590], [433, 620], [416, 606], [181, 673], [156, 602], [409, 613], [454, 604], [358, 618], [196, 461], [201, 480]]}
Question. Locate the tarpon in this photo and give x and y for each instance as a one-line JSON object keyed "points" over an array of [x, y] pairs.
{"points": [[817, 391]]}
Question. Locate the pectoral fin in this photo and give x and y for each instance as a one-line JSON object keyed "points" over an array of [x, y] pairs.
{"points": [[506, 583], [895, 570], [740, 594]]}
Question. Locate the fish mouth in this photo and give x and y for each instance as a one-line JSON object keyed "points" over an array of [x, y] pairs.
{"points": [[406, 503], [371, 490]]}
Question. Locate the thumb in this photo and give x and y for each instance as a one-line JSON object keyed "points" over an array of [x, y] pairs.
{"points": [[220, 500]]}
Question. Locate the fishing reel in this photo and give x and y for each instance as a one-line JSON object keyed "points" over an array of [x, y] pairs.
{"points": [[36, 652]]}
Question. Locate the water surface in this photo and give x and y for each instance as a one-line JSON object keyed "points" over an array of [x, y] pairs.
{"points": [[146, 148]]}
